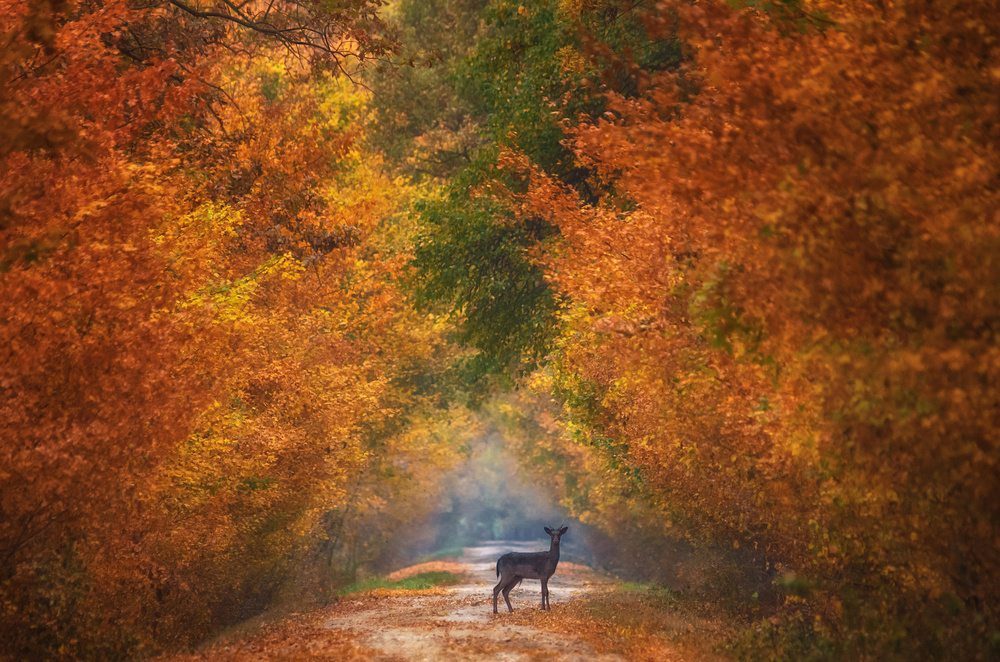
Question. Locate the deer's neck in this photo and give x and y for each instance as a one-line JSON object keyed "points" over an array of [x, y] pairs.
{"points": [[554, 553]]}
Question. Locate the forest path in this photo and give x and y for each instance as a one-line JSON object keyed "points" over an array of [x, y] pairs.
{"points": [[459, 624]]}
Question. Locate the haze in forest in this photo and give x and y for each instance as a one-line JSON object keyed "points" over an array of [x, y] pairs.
{"points": [[294, 294]]}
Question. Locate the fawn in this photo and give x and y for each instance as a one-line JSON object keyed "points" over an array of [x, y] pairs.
{"points": [[515, 566]]}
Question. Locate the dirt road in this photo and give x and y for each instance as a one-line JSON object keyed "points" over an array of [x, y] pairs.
{"points": [[459, 623]]}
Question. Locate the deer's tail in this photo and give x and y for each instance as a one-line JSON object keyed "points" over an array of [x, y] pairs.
{"points": [[498, 567]]}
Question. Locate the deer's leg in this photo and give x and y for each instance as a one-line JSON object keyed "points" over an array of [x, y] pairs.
{"points": [[545, 593], [506, 592], [496, 593]]}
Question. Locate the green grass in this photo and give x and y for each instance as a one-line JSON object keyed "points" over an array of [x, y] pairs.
{"points": [[419, 582]]}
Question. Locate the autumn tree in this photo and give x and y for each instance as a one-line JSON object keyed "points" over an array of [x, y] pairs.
{"points": [[782, 309], [473, 257], [201, 330]]}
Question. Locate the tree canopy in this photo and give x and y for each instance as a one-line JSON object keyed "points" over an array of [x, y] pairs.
{"points": [[265, 268]]}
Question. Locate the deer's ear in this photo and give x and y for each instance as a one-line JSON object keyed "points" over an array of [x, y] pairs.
{"points": [[548, 530], [563, 530]]}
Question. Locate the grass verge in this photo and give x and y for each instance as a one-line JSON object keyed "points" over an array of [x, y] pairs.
{"points": [[421, 582]]}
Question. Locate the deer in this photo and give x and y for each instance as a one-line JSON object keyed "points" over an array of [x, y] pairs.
{"points": [[512, 567]]}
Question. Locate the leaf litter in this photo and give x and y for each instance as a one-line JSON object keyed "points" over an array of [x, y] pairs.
{"points": [[457, 623]]}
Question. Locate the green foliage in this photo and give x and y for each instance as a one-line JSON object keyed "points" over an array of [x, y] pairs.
{"points": [[512, 79], [437, 136], [479, 269], [534, 66], [515, 77]]}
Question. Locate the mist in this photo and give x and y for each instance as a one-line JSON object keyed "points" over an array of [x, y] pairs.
{"points": [[487, 499]]}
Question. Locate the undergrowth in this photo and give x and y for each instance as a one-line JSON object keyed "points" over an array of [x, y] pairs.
{"points": [[641, 622]]}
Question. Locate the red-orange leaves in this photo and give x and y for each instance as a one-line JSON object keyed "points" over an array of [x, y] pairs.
{"points": [[192, 326], [797, 311]]}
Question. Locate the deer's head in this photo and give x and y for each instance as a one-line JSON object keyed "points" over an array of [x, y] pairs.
{"points": [[555, 534]]}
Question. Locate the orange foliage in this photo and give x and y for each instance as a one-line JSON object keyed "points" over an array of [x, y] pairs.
{"points": [[95, 391], [202, 341], [784, 311]]}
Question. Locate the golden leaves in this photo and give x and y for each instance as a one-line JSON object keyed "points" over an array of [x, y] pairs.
{"points": [[203, 341]]}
